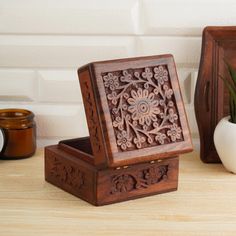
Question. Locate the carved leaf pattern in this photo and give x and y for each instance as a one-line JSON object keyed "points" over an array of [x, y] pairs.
{"points": [[143, 107], [67, 174], [144, 178], [93, 121]]}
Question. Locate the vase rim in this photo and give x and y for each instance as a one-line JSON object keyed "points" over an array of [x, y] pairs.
{"points": [[226, 120]]}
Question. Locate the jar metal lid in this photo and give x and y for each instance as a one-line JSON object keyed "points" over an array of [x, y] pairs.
{"points": [[2, 140]]}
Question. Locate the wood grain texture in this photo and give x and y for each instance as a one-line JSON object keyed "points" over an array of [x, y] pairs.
{"points": [[203, 205], [134, 110], [211, 97]]}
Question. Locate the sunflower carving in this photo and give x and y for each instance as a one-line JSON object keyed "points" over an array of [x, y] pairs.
{"points": [[143, 107]]}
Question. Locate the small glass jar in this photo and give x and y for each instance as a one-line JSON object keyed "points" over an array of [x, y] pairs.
{"points": [[17, 133]]}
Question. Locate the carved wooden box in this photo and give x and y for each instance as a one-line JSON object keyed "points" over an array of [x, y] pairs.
{"points": [[137, 127]]}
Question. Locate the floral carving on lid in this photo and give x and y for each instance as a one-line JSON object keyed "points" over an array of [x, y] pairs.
{"points": [[111, 81], [142, 107]]}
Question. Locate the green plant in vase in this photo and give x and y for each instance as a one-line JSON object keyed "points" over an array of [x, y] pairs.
{"points": [[225, 131]]}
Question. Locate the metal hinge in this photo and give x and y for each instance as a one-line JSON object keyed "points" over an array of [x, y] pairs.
{"points": [[122, 167]]}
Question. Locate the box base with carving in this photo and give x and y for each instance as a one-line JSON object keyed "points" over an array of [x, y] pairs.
{"points": [[67, 167]]}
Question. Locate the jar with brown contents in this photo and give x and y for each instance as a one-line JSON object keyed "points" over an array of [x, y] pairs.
{"points": [[17, 133]]}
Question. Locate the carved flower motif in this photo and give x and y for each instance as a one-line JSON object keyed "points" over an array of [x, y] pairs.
{"points": [[123, 183], [126, 76], [151, 176], [161, 74], [172, 116], [174, 132], [76, 179], [123, 140], [118, 123], [160, 137], [168, 91], [113, 97], [147, 74], [111, 81], [120, 184], [138, 141], [67, 174], [143, 106]]}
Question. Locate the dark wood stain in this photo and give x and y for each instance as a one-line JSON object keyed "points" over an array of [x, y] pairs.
{"points": [[137, 125], [211, 97]]}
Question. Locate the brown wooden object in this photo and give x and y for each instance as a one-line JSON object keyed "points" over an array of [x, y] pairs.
{"points": [[137, 127], [211, 97]]}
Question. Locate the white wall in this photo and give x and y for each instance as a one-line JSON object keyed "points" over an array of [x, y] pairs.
{"points": [[43, 42]]}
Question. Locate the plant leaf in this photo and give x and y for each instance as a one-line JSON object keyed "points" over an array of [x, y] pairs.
{"points": [[232, 92], [231, 71], [230, 87], [232, 109]]}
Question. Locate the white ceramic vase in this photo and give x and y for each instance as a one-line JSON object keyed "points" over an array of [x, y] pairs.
{"points": [[225, 143]]}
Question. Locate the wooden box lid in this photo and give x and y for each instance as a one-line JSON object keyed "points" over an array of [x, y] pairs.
{"points": [[134, 110]]}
